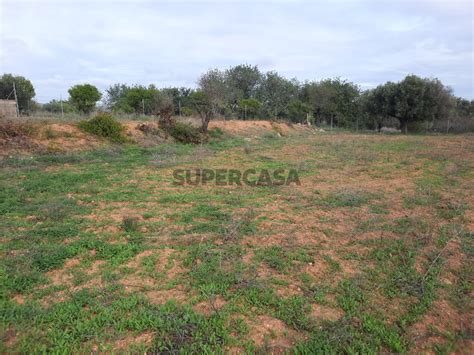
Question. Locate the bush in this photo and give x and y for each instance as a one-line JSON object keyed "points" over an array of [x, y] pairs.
{"points": [[185, 133], [104, 125], [186, 111], [15, 128]]}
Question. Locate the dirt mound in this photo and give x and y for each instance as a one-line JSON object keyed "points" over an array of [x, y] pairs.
{"points": [[245, 127], [21, 137]]}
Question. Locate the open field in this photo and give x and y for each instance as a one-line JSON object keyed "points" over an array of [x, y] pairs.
{"points": [[100, 251]]}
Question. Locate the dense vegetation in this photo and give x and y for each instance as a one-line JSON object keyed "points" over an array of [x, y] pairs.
{"points": [[244, 92]]}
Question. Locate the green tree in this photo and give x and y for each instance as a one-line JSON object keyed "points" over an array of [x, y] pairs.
{"points": [[84, 97], [181, 99], [249, 108], [333, 100], [203, 106], [412, 99], [298, 111], [162, 105], [275, 92], [241, 82], [24, 90], [114, 99], [54, 106], [210, 98]]}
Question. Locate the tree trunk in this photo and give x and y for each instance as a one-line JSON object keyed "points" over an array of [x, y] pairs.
{"points": [[404, 126], [205, 122]]}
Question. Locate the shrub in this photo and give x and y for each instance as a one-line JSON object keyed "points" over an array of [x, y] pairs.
{"points": [[186, 111], [104, 125], [185, 133], [15, 128], [148, 129]]}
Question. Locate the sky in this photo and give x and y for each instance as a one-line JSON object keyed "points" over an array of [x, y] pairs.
{"points": [[57, 44]]}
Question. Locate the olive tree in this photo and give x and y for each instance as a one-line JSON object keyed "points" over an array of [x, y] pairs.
{"points": [[210, 97], [412, 99], [162, 106]]}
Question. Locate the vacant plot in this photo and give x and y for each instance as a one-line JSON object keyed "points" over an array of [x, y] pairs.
{"points": [[371, 253]]}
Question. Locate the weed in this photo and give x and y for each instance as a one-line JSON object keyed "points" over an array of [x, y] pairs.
{"points": [[130, 224], [282, 260]]}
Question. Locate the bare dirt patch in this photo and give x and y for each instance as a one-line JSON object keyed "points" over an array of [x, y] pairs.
{"points": [[124, 344], [322, 313], [272, 334]]}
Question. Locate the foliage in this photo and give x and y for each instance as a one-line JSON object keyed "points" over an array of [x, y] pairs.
{"points": [[249, 108], [181, 99], [54, 106], [413, 99], [203, 106], [104, 125], [333, 100], [24, 90], [298, 110], [244, 79], [275, 92], [184, 133], [84, 97], [245, 92]]}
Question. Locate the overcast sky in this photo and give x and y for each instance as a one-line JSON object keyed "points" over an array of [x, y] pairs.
{"points": [[57, 44]]}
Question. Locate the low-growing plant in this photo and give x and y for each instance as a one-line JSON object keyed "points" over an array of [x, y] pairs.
{"points": [[185, 133], [104, 125], [216, 132], [149, 129], [130, 224]]}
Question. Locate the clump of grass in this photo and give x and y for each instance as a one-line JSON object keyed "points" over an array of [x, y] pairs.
{"points": [[130, 224], [216, 133], [104, 125], [282, 260]]}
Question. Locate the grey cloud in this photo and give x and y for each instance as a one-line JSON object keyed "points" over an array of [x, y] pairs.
{"points": [[59, 43]]}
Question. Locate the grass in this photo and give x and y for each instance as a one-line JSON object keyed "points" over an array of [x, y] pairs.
{"points": [[101, 252]]}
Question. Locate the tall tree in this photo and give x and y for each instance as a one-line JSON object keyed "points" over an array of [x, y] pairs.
{"points": [[24, 90], [115, 95], [412, 99], [333, 100], [275, 92], [84, 97], [242, 81], [210, 97]]}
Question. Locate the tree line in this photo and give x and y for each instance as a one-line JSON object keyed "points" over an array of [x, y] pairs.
{"points": [[245, 92]]}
